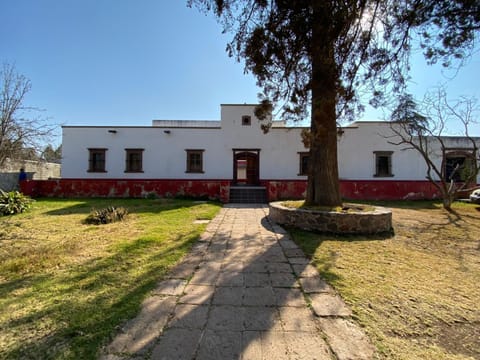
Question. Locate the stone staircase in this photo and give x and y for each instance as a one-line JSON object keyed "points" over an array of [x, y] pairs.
{"points": [[248, 194]]}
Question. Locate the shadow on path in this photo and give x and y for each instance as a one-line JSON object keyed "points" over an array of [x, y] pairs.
{"points": [[246, 291]]}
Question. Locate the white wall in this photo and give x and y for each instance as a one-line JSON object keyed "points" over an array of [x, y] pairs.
{"points": [[164, 155], [359, 142], [357, 159]]}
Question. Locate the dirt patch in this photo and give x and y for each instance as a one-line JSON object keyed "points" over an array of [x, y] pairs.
{"points": [[461, 338]]}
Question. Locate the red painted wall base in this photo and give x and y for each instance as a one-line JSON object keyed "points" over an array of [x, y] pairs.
{"points": [[220, 189], [208, 189], [388, 190], [358, 190]]}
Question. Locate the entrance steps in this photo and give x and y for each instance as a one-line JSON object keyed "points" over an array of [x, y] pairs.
{"points": [[248, 194]]}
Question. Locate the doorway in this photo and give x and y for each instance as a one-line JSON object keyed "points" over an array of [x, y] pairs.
{"points": [[246, 167]]}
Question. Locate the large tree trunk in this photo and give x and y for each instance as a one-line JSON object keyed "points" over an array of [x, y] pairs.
{"points": [[323, 182]]}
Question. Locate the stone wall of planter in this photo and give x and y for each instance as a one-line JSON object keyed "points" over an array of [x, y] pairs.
{"points": [[375, 221]]}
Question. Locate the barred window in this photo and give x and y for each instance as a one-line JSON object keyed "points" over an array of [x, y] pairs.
{"points": [[383, 163], [459, 165], [194, 161], [134, 160], [96, 160], [246, 120], [303, 164]]}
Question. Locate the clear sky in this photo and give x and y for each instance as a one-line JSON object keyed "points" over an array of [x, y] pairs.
{"points": [[126, 62]]}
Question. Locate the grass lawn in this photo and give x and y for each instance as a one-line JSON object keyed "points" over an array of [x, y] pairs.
{"points": [[417, 294], [66, 286]]}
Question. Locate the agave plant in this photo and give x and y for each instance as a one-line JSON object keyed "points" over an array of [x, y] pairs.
{"points": [[14, 202], [107, 215]]}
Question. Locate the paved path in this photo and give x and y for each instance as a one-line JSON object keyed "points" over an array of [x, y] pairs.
{"points": [[242, 293]]}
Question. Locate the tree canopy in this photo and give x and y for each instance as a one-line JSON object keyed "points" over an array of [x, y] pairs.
{"points": [[319, 57]]}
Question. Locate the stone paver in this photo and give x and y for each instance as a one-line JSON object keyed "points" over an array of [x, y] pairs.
{"points": [[177, 344], [346, 339], [140, 333], [315, 284], [243, 292], [170, 287], [197, 294], [329, 305], [189, 316]]}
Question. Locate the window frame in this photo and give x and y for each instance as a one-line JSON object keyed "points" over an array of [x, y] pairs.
{"points": [[194, 169], [467, 154], [128, 161], [301, 170], [246, 120], [93, 162], [389, 156]]}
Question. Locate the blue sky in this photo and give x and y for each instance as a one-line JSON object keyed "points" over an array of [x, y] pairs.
{"points": [[126, 62]]}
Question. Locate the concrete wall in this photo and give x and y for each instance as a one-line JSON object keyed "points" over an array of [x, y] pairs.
{"points": [[35, 170], [203, 189], [357, 144], [164, 159], [356, 157], [164, 155], [219, 189]]}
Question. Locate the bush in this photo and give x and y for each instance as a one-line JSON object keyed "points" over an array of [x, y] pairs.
{"points": [[13, 202], [106, 216]]}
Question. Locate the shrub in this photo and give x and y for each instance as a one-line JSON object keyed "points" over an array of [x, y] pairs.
{"points": [[151, 195], [107, 215], [13, 202]]}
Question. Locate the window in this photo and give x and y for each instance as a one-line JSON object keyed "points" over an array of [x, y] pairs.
{"points": [[383, 163], [459, 165], [133, 160], [194, 161], [96, 160], [246, 120], [303, 168]]}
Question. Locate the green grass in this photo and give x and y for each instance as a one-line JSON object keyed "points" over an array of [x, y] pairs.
{"points": [[417, 293], [66, 287]]}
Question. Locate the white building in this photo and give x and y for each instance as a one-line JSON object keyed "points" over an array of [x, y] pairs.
{"points": [[207, 158]]}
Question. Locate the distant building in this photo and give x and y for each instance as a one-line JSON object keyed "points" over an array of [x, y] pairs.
{"points": [[34, 170], [210, 158]]}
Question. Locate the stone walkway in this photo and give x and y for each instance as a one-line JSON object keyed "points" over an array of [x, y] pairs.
{"points": [[245, 291]]}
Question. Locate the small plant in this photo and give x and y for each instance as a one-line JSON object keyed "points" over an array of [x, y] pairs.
{"points": [[152, 195], [107, 215], [14, 202]]}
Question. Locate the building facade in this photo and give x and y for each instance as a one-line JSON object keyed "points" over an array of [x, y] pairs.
{"points": [[209, 158]]}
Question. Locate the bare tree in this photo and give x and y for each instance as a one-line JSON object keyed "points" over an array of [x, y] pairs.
{"points": [[451, 167], [20, 126]]}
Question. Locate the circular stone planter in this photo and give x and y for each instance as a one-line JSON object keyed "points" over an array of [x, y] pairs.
{"points": [[378, 220]]}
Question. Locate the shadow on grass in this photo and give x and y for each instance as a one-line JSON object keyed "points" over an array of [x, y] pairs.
{"points": [[72, 314], [84, 206], [238, 294], [403, 204], [310, 242]]}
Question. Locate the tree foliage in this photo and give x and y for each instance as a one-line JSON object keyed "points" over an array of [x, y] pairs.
{"points": [[371, 41], [50, 154], [320, 57], [22, 131]]}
